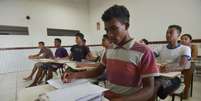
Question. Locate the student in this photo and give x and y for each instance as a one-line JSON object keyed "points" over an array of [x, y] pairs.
{"points": [[172, 57], [106, 43], [44, 53], [84, 42], [144, 41], [60, 53], [130, 66], [188, 73], [186, 39], [80, 51]]}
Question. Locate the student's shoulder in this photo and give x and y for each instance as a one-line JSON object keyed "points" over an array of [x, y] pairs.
{"points": [[73, 46], [183, 47], [62, 48], [140, 48], [48, 49]]}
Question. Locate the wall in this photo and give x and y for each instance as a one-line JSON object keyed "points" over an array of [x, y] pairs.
{"points": [[150, 18], [64, 14]]}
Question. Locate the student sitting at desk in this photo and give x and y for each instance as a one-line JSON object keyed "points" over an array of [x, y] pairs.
{"points": [[80, 51], [186, 39], [188, 73], [172, 57], [44, 53], [60, 53], [130, 66], [106, 43]]}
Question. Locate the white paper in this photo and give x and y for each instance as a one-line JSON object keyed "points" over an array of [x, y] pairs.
{"points": [[74, 66], [171, 74], [43, 60], [91, 97], [76, 93], [57, 83]]}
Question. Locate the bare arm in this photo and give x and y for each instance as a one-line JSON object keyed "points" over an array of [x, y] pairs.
{"points": [[194, 51], [87, 65], [183, 63], [90, 57], [35, 56], [70, 56], [68, 76]]}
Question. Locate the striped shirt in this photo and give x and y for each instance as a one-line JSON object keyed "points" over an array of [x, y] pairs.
{"points": [[129, 64]]}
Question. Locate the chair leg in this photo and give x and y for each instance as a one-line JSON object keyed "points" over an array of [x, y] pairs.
{"points": [[181, 96], [46, 76], [173, 97], [60, 71], [191, 93]]}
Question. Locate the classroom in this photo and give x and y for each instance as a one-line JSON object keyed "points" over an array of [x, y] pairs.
{"points": [[100, 50]]}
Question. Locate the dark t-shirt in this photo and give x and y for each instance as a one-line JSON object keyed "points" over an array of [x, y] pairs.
{"points": [[61, 52], [79, 52], [46, 53]]}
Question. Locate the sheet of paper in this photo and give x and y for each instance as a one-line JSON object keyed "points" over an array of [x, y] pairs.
{"points": [[75, 93], [74, 66], [91, 97], [63, 61], [57, 83], [171, 74], [43, 60]]}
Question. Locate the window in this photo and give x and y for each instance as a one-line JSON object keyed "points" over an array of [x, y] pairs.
{"points": [[13, 30], [61, 32]]}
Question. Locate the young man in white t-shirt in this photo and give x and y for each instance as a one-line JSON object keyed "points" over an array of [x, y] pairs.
{"points": [[172, 57]]}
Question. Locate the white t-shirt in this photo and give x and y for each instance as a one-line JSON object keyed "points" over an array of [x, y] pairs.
{"points": [[172, 56]]}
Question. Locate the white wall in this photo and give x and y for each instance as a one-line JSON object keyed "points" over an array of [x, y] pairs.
{"points": [[150, 18], [64, 14]]}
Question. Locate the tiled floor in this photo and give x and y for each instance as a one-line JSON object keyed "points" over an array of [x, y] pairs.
{"points": [[12, 83]]}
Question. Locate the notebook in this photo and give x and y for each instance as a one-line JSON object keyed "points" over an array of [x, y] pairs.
{"points": [[57, 83], [77, 91]]}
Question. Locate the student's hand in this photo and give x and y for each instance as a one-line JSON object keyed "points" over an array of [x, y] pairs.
{"points": [[31, 57], [68, 77], [163, 69]]}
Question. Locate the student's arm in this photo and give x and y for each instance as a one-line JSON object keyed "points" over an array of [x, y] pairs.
{"points": [[183, 63], [143, 94], [35, 56], [87, 65], [89, 55], [70, 56], [68, 76], [173, 67], [194, 51]]}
